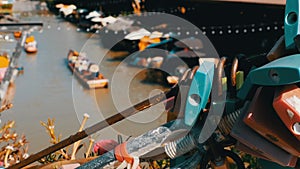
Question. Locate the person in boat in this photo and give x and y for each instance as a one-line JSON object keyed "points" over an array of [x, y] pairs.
{"points": [[92, 72], [94, 69], [32, 44], [82, 56], [73, 60], [83, 67], [20, 69]]}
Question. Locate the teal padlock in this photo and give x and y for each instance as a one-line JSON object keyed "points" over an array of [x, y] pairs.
{"points": [[282, 71], [199, 92], [291, 23]]}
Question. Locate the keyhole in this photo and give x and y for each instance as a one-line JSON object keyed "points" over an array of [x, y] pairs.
{"points": [[292, 18], [194, 99]]}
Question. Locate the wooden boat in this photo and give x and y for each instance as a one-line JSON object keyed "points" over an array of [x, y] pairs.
{"points": [[154, 57], [30, 45], [87, 73], [17, 34]]}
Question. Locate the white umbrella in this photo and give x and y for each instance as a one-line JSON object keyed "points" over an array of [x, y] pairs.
{"points": [[136, 35], [169, 35], [109, 19], [156, 34], [97, 19], [120, 24], [93, 14], [66, 11], [72, 7], [59, 5]]}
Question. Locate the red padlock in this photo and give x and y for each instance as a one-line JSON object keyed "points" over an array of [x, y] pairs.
{"points": [[287, 105], [262, 118]]}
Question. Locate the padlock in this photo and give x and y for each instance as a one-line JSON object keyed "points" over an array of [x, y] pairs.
{"points": [[287, 105], [248, 137], [262, 118], [291, 24]]}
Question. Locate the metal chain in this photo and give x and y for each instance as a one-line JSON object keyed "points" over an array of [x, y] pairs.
{"points": [[242, 29], [220, 30], [230, 29]]}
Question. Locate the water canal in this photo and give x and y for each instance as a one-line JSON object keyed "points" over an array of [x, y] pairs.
{"points": [[47, 89]]}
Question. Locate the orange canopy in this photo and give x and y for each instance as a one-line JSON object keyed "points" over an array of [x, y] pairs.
{"points": [[4, 62], [30, 39], [145, 41]]}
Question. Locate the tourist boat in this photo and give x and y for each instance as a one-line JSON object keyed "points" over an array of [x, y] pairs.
{"points": [[30, 45], [151, 54], [87, 73], [169, 66]]}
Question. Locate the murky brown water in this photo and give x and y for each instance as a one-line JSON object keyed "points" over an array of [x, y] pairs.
{"points": [[47, 88]]}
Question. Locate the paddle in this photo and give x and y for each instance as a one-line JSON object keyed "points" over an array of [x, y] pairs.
{"points": [[99, 126]]}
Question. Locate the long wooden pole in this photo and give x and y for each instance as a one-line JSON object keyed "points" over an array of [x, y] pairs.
{"points": [[98, 126]]}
